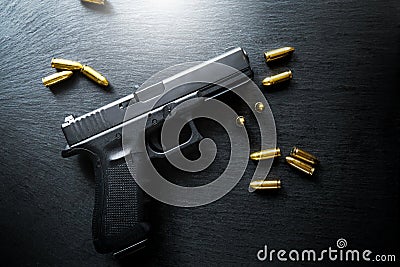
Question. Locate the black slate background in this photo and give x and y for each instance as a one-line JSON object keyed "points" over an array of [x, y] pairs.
{"points": [[341, 105]]}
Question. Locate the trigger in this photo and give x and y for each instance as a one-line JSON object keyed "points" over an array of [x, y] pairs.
{"points": [[194, 138]]}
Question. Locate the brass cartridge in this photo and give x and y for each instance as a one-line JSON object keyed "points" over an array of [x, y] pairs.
{"points": [[56, 77], [99, 2], [266, 154], [259, 107], [281, 77], [65, 64], [266, 184], [304, 156], [278, 53], [304, 167], [94, 75], [240, 121]]}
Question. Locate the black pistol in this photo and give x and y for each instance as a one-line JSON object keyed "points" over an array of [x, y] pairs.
{"points": [[119, 225]]}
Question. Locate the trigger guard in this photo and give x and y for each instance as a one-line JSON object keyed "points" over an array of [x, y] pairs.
{"points": [[195, 137]]}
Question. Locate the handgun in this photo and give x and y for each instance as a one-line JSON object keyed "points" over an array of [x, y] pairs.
{"points": [[119, 225]]}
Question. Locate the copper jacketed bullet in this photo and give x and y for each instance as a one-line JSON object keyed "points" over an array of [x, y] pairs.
{"points": [[304, 167], [56, 77], [266, 154], [278, 78], [99, 2], [266, 184], [65, 64], [304, 156], [94, 75], [278, 53]]}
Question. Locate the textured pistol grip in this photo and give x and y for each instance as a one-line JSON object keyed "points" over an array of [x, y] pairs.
{"points": [[118, 219]]}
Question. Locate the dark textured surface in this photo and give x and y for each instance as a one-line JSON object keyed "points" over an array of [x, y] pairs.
{"points": [[341, 105]]}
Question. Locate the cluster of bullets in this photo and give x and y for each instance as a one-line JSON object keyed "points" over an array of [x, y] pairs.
{"points": [[67, 67], [273, 55], [302, 160], [298, 158]]}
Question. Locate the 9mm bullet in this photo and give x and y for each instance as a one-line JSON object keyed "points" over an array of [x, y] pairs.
{"points": [[278, 53], [304, 156], [98, 2], [266, 184], [259, 107], [266, 154], [56, 77], [65, 64], [240, 121], [94, 75], [301, 166], [278, 78]]}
